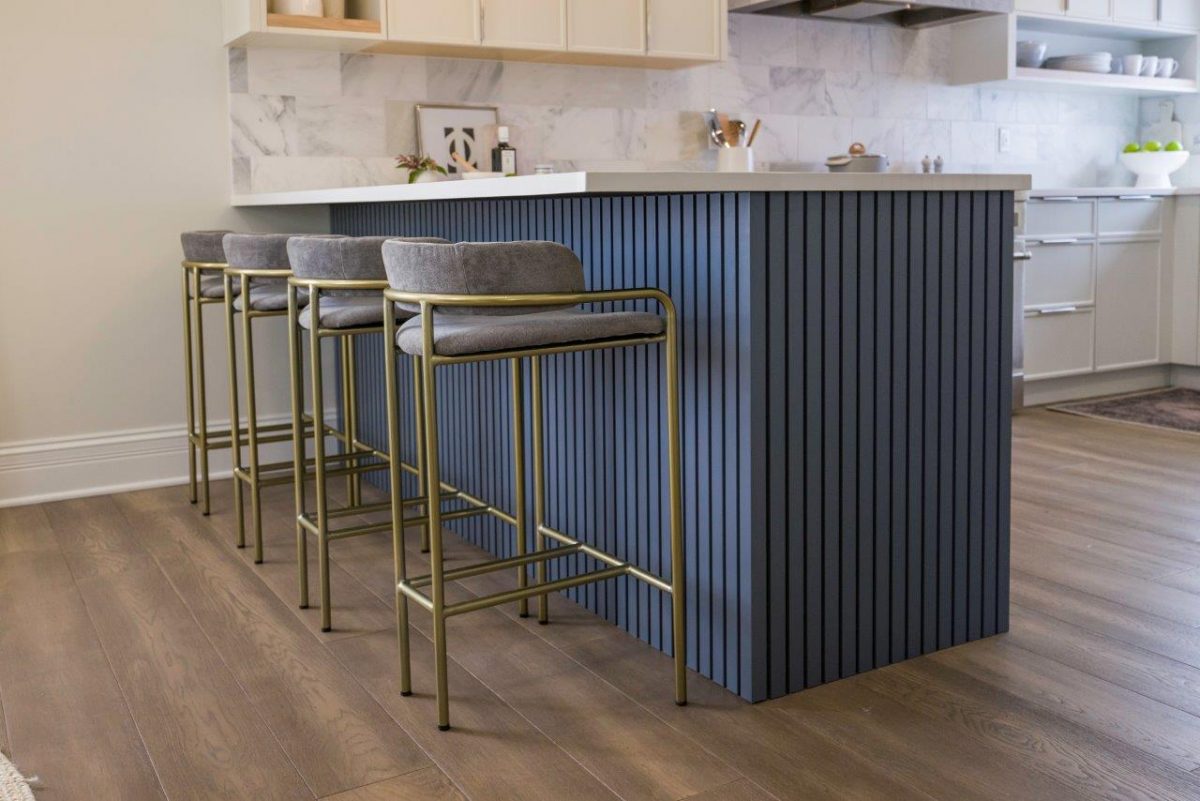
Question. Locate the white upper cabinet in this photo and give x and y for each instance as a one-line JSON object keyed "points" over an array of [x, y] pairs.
{"points": [[1041, 6], [606, 26], [525, 24], [691, 29], [441, 22], [1089, 9], [1180, 14], [1143, 12]]}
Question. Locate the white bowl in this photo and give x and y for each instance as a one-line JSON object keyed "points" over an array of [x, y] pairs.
{"points": [[1031, 54], [1153, 170]]}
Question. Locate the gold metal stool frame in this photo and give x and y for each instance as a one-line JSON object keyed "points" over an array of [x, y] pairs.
{"points": [[201, 440], [426, 367], [359, 457]]}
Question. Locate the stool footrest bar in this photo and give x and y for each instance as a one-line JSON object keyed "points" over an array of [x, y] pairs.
{"points": [[608, 559], [494, 565], [500, 598]]}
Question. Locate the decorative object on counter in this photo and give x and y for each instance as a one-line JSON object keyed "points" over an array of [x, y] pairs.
{"points": [[1031, 54], [735, 159], [729, 135], [299, 8], [421, 169], [504, 155], [858, 160], [543, 169], [444, 132], [1153, 164], [926, 164], [939, 165], [1099, 63]]}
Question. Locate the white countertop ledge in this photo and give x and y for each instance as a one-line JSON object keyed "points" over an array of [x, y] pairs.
{"points": [[592, 183], [1113, 191]]}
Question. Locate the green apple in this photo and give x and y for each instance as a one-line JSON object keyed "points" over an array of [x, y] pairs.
{"points": [[1153, 146], [1174, 146], [1133, 147]]}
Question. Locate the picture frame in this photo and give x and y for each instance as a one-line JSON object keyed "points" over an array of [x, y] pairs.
{"points": [[470, 131]]}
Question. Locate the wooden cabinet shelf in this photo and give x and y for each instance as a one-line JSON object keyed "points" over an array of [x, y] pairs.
{"points": [[324, 24]]}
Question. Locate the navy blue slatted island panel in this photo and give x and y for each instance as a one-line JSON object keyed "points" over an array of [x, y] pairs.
{"points": [[845, 374]]}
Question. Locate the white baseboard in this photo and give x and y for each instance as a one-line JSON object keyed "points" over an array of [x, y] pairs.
{"points": [[40, 471], [1094, 385], [1185, 376]]}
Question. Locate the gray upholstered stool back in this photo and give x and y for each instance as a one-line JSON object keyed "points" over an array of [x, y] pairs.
{"points": [[204, 247], [343, 258], [468, 268]]}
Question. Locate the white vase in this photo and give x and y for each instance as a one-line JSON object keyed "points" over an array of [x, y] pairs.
{"points": [[299, 8], [428, 177]]}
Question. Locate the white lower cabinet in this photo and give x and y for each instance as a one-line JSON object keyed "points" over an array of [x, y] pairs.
{"points": [[1128, 276], [1059, 342]]}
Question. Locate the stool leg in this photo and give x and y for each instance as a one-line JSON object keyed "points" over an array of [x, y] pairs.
{"points": [[434, 513], [295, 348], [351, 401], [201, 396], [539, 485], [318, 411], [347, 412], [678, 585], [251, 424], [188, 367], [419, 429], [518, 423], [235, 418], [396, 485]]}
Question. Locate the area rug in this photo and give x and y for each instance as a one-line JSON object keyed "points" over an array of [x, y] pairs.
{"points": [[13, 786], [1175, 409]]}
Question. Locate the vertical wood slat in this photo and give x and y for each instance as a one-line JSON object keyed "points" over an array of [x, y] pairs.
{"points": [[844, 408]]}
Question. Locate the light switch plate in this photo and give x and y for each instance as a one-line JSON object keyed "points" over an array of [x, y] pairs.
{"points": [[1004, 140]]}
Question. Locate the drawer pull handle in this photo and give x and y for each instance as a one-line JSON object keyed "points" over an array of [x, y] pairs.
{"points": [[1059, 310], [1061, 198], [1026, 256], [1063, 241], [1135, 197]]}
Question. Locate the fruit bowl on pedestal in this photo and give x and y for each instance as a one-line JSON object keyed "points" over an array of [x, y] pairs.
{"points": [[1153, 169]]}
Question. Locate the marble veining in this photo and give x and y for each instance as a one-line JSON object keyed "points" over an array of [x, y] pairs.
{"points": [[314, 119]]}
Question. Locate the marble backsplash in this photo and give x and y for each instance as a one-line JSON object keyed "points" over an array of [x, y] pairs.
{"points": [[313, 119]]}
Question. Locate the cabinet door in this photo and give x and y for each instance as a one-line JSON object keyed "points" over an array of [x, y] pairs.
{"points": [[1059, 342], [606, 26], [1092, 9], [1041, 6], [1180, 14], [1135, 10], [686, 28], [443, 22], [1127, 301], [525, 24]]}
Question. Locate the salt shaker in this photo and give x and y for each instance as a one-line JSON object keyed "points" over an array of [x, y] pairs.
{"points": [[939, 164], [926, 164]]}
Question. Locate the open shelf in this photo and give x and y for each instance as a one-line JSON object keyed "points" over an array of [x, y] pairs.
{"points": [[984, 51], [370, 26]]}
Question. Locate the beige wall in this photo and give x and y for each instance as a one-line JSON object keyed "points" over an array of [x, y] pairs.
{"points": [[114, 137]]}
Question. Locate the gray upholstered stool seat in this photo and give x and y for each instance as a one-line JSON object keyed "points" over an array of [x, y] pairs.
{"points": [[268, 297], [357, 311], [462, 334], [206, 247], [345, 259]]}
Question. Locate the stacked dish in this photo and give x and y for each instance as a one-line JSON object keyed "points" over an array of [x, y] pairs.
{"points": [[1084, 62]]}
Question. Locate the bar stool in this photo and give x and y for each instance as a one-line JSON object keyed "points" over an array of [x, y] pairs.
{"points": [[485, 302], [343, 279], [257, 271], [203, 265]]}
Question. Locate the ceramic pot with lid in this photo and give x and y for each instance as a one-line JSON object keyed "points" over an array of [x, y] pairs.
{"points": [[858, 160]]}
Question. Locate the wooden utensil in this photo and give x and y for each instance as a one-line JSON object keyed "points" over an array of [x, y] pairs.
{"points": [[754, 133], [461, 162]]}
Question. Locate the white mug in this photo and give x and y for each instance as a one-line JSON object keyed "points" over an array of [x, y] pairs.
{"points": [[1149, 66], [1132, 64], [1167, 67]]}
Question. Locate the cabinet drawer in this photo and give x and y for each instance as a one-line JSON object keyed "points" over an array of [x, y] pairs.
{"points": [[1059, 344], [1130, 217], [1135, 10], [1060, 218], [1059, 274]]}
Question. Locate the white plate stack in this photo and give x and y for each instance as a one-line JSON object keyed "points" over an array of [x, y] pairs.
{"points": [[1084, 62]]}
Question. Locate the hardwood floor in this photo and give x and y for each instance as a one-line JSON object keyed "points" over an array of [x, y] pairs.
{"points": [[143, 657]]}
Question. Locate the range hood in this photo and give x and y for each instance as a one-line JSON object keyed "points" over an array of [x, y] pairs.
{"points": [[879, 12]]}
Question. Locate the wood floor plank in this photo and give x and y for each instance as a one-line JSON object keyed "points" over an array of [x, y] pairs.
{"points": [[492, 752], [1094, 764], [95, 538], [1148, 595], [1164, 731], [740, 790], [329, 726], [1187, 580], [64, 712], [426, 784], [1161, 678], [1039, 541], [1118, 621], [25, 528]]}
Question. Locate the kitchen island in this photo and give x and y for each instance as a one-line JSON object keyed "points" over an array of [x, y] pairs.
{"points": [[846, 357]]}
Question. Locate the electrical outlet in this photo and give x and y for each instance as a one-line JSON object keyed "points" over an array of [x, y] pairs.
{"points": [[1004, 143]]}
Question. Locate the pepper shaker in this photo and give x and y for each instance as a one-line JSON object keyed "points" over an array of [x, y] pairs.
{"points": [[926, 164]]}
